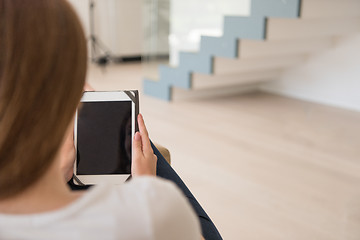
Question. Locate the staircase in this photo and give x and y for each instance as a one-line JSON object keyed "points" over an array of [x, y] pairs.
{"points": [[278, 34]]}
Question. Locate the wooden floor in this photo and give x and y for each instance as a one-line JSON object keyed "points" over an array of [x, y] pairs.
{"points": [[262, 166]]}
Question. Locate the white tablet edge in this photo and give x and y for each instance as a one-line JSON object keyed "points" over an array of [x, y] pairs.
{"points": [[103, 97]]}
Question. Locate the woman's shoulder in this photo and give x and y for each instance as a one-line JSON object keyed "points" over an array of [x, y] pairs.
{"points": [[170, 213], [154, 193], [146, 194], [154, 205]]}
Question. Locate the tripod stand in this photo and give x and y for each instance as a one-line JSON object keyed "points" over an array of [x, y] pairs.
{"points": [[99, 53]]}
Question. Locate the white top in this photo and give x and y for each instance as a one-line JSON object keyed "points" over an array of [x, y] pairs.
{"points": [[143, 208]]}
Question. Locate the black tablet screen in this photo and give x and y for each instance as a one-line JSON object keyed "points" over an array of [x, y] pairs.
{"points": [[104, 138]]}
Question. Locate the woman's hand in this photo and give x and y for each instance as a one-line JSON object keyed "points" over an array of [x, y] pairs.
{"points": [[88, 87], [144, 159]]}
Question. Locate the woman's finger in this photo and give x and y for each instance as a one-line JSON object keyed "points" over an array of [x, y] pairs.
{"points": [[88, 87], [142, 126], [144, 136], [137, 145]]}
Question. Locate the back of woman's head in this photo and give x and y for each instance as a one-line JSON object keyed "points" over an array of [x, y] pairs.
{"points": [[42, 73]]}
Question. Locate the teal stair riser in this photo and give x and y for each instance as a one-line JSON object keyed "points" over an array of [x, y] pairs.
{"points": [[235, 27], [175, 76], [238, 27], [219, 46], [196, 62], [156, 89], [276, 8]]}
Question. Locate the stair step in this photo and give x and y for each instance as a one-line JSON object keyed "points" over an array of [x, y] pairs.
{"points": [[330, 8], [199, 62], [253, 48], [275, 8], [228, 66], [155, 89], [310, 28], [175, 76], [219, 46], [203, 81], [234, 27], [244, 27]]}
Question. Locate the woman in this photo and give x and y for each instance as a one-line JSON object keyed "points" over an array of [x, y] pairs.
{"points": [[42, 74]]}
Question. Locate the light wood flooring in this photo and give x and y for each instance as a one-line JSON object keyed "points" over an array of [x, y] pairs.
{"points": [[262, 166]]}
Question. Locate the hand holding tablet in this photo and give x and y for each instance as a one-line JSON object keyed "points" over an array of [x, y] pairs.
{"points": [[106, 146], [144, 162]]}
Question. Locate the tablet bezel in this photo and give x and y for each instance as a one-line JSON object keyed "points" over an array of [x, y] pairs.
{"points": [[92, 96]]}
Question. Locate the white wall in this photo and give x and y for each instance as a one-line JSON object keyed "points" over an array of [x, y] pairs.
{"points": [[82, 9], [118, 24], [331, 77]]}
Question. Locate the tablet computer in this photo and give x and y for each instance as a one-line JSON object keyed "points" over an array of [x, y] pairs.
{"points": [[105, 124]]}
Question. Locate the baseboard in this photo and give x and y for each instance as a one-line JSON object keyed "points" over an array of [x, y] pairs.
{"points": [[139, 58]]}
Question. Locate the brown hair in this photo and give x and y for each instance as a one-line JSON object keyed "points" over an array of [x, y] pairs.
{"points": [[42, 73]]}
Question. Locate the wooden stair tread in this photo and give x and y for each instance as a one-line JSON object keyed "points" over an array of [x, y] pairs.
{"points": [[253, 48], [329, 8], [278, 28], [203, 81], [227, 66]]}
